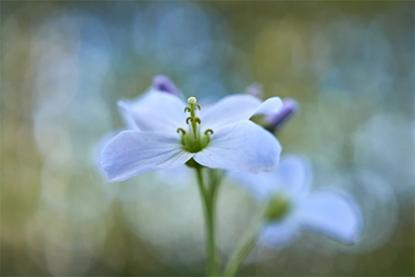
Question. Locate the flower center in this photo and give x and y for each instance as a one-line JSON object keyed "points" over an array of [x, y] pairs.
{"points": [[278, 208], [194, 140]]}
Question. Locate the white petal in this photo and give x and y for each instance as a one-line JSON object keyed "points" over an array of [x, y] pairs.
{"points": [[280, 234], [243, 146], [293, 176], [332, 213], [270, 106], [262, 184], [230, 109], [124, 109], [156, 111], [132, 152]]}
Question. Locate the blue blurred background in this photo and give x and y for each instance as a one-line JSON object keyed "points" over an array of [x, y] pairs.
{"points": [[64, 65]]}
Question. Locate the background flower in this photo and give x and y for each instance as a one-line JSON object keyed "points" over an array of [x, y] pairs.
{"points": [[330, 212]]}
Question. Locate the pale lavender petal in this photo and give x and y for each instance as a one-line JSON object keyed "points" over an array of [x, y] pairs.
{"points": [[280, 234], [133, 152], [262, 185], [332, 213], [241, 146], [124, 108], [235, 108], [293, 176], [270, 106], [156, 111], [230, 109]]}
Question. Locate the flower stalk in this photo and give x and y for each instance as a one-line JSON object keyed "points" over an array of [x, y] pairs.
{"points": [[242, 251], [208, 196]]}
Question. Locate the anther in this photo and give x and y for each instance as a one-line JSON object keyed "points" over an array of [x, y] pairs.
{"points": [[181, 131], [209, 132]]}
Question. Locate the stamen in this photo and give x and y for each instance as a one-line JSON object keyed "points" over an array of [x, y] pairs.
{"points": [[181, 131], [209, 132]]}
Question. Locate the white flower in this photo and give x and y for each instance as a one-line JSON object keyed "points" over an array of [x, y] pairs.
{"points": [[291, 206], [168, 133]]}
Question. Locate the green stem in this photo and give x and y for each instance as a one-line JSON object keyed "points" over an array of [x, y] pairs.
{"points": [[242, 251], [208, 195]]}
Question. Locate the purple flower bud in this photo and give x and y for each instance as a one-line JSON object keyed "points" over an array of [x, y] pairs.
{"points": [[275, 121], [254, 89], [163, 83]]}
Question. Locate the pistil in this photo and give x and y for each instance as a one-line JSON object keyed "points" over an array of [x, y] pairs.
{"points": [[194, 141]]}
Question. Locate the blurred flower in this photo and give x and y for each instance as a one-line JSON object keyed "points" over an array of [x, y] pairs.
{"points": [[220, 137], [290, 205]]}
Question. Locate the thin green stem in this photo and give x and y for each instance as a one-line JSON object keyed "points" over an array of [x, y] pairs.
{"points": [[245, 247], [208, 195]]}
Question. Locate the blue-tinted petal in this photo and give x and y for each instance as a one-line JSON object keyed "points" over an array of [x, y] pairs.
{"points": [[156, 111], [230, 109], [270, 106], [262, 185], [243, 146], [333, 213], [124, 108], [133, 152], [280, 234], [293, 176]]}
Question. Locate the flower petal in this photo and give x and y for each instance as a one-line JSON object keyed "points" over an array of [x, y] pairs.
{"points": [[124, 108], [156, 111], [293, 176], [241, 146], [230, 109], [262, 184], [270, 106], [234, 108], [280, 234], [132, 152], [332, 213]]}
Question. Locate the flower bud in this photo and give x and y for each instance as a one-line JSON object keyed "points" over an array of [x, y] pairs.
{"points": [[164, 84], [275, 121]]}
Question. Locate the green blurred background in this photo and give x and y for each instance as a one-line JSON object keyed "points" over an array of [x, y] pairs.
{"points": [[349, 64]]}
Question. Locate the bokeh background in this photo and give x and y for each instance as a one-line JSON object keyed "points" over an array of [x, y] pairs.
{"points": [[349, 64]]}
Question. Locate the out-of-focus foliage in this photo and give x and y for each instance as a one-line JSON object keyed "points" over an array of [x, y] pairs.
{"points": [[349, 64]]}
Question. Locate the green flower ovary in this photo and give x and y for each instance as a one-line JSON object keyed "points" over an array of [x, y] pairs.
{"points": [[194, 140], [277, 208]]}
